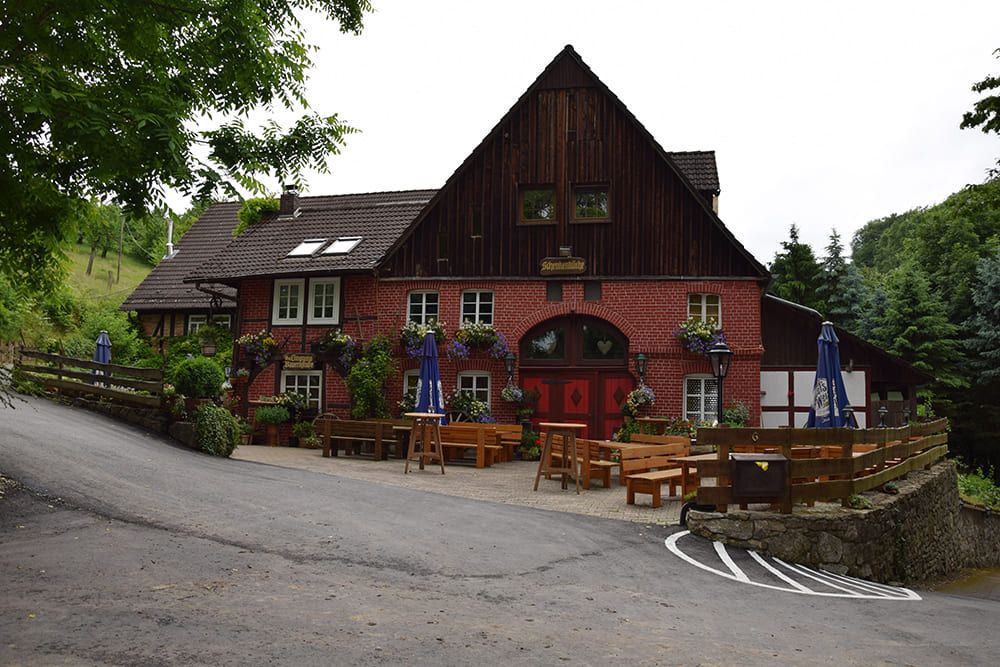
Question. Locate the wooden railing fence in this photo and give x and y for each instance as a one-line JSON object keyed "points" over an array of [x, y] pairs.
{"points": [[824, 464], [76, 376]]}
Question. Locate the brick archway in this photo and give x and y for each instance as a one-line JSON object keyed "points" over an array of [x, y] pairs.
{"points": [[572, 308]]}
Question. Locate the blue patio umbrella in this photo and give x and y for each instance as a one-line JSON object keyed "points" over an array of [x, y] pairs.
{"points": [[429, 395], [102, 353], [829, 393]]}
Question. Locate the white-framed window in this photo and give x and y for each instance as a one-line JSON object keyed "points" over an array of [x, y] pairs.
{"points": [[305, 383], [701, 398], [423, 307], [476, 383], [324, 301], [223, 321], [477, 306], [196, 322], [410, 379], [288, 297], [706, 307]]}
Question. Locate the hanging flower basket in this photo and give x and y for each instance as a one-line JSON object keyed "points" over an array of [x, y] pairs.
{"points": [[259, 349], [412, 336], [637, 399], [337, 349], [698, 336]]}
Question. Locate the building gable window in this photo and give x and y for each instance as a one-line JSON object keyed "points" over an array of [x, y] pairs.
{"points": [[423, 307], [701, 398], [591, 204], [475, 383], [477, 307], [538, 205], [287, 306], [305, 383], [706, 307], [324, 301]]}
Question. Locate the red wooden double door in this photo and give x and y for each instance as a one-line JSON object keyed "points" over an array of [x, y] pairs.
{"points": [[579, 367]]}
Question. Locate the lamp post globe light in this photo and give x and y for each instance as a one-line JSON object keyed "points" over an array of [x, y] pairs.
{"points": [[720, 356], [508, 364]]}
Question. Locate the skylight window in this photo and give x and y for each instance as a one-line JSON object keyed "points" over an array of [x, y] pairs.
{"points": [[307, 248], [343, 245]]}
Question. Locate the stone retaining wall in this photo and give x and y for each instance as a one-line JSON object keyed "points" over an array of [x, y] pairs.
{"points": [[921, 533], [154, 420]]}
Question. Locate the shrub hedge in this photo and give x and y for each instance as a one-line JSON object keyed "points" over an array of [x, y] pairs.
{"points": [[216, 430], [199, 377]]}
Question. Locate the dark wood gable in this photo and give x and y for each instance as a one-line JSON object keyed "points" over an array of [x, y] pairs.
{"points": [[568, 131]]}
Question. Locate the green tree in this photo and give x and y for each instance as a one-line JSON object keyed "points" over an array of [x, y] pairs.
{"points": [[101, 99], [915, 327], [797, 273], [985, 113], [984, 325], [841, 287]]}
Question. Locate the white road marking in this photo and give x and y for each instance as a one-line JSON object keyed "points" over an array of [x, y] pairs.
{"points": [[859, 589], [720, 549], [778, 573]]}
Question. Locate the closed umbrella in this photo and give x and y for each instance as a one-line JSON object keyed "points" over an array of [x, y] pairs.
{"points": [[429, 395], [829, 393], [102, 352]]}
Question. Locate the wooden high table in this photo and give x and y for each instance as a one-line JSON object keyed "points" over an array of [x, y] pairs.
{"points": [[569, 465], [426, 431]]}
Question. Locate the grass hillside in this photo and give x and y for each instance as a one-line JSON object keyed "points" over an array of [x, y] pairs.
{"points": [[94, 288]]}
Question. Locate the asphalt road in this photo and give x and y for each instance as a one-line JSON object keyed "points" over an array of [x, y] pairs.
{"points": [[132, 551]]}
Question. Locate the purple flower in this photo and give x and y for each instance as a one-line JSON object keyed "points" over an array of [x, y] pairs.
{"points": [[458, 350], [500, 349]]}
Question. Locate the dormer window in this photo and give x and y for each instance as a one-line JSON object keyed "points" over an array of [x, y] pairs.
{"points": [[343, 245], [307, 248]]}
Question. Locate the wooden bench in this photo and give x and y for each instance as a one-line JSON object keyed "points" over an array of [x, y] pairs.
{"points": [[510, 438], [589, 459], [645, 469], [480, 437], [351, 435]]}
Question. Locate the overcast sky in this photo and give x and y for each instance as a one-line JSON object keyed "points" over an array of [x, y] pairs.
{"points": [[823, 115]]}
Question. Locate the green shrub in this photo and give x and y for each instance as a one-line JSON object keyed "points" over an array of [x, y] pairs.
{"points": [[216, 430], [127, 344], [366, 380], [199, 377], [271, 414], [977, 487], [253, 210], [303, 429]]}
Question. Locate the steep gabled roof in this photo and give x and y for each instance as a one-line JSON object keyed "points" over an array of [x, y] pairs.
{"points": [[377, 217], [568, 69], [164, 288]]}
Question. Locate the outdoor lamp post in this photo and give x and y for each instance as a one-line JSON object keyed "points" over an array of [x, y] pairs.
{"points": [[720, 355], [882, 412], [640, 367], [848, 413], [906, 416], [508, 364]]}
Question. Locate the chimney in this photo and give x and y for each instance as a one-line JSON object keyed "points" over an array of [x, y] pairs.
{"points": [[289, 207], [170, 237]]}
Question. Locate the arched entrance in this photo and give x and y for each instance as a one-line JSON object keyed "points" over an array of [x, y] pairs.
{"points": [[579, 366]]}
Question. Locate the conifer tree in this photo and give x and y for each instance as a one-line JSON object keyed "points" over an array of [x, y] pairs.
{"points": [[797, 273], [984, 325], [915, 327], [841, 287]]}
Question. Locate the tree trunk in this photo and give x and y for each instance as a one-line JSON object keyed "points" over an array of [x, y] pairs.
{"points": [[121, 243], [93, 253]]}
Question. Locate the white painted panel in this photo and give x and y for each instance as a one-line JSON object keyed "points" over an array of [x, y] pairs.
{"points": [[804, 381], [774, 388], [854, 383], [800, 419], [894, 395], [773, 419], [862, 419]]}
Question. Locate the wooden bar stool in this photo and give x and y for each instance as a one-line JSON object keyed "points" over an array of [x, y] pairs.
{"points": [[570, 464], [426, 430]]}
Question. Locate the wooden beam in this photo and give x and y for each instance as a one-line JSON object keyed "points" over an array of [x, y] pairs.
{"points": [[150, 373], [88, 376], [80, 388]]}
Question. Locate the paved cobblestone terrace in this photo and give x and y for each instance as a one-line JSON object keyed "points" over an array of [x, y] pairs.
{"points": [[506, 483]]}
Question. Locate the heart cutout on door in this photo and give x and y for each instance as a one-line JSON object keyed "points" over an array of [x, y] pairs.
{"points": [[604, 346]]}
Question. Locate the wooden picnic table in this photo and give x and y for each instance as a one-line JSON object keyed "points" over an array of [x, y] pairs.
{"points": [[688, 462]]}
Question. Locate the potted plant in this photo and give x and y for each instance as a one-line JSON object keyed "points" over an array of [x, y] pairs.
{"points": [[200, 380], [531, 445], [301, 431], [338, 349], [208, 341], [271, 416]]}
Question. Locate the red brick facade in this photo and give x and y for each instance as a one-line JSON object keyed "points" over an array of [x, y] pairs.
{"points": [[645, 311]]}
